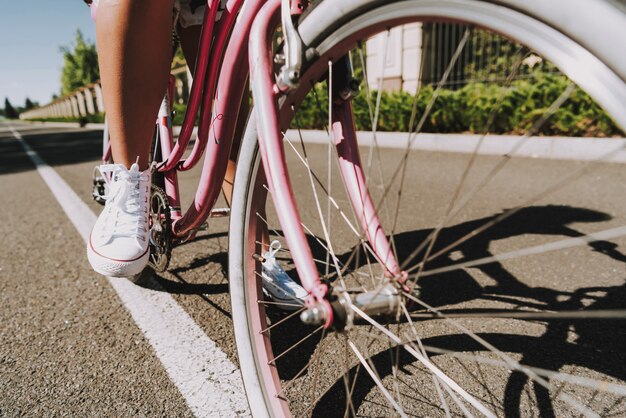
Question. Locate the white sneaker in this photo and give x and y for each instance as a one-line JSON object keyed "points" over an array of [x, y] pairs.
{"points": [[278, 285], [118, 244]]}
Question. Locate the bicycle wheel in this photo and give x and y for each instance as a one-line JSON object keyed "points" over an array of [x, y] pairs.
{"points": [[516, 289]]}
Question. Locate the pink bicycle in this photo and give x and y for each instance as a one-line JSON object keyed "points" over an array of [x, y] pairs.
{"points": [[394, 323]]}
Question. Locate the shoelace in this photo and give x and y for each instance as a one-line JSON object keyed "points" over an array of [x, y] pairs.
{"points": [[273, 268], [126, 209], [270, 264]]}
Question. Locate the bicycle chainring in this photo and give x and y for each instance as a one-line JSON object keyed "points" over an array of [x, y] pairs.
{"points": [[160, 230], [99, 187]]}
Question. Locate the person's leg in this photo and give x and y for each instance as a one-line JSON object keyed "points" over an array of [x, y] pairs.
{"points": [[189, 40], [134, 38], [134, 49]]}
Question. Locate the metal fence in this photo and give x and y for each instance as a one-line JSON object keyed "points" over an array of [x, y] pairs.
{"points": [[486, 57]]}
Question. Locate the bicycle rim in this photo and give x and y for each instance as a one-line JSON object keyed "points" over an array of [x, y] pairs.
{"points": [[508, 255]]}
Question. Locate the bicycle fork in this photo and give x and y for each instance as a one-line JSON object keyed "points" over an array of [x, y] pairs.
{"points": [[322, 307]]}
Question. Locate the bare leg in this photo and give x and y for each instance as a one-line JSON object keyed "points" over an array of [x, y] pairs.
{"points": [[134, 38], [229, 179], [189, 40]]}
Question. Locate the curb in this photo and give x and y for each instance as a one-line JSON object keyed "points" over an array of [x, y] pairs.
{"points": [[559, 148], [87, 126], [611, 150]]}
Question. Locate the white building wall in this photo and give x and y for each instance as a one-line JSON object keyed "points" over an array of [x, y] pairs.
{"points": [[400, 68]]}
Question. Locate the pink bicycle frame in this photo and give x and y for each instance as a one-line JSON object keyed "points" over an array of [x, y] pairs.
{"points": [[270, 128], [221, 82]]}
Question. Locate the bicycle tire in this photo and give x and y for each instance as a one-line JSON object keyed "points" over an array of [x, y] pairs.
{"points": [[573, 36]]}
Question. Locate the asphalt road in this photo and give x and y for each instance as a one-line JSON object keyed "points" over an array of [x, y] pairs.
{"points": [[69, 347], [73, 343]]}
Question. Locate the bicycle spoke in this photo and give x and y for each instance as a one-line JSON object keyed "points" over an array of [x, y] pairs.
{"points": [[538, 249], [431, 103], [287, 350], [285, 319], [434, 369], [325, 225], [412, 135], [571, 402], [602, 386], [514, 366], [516, 314], [551, 189], [349, 408], [308, 230], [436, 380], [494, 171], [374, 116], [274, 231], [304, 159], [376, 379], [455, 195], [362, 242], [314, 359], [329, 177], [495, 341], [269, 302], [374, 147], [305, 162]]}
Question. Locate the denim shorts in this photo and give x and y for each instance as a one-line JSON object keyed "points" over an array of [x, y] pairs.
{"points": [[190, 12]]}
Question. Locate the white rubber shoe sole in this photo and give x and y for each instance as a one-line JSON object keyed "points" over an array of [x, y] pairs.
{"points": [[117, 268]]}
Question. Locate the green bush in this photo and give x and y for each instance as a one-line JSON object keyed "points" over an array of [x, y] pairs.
{"points": [[467, 110], [517, 108]]}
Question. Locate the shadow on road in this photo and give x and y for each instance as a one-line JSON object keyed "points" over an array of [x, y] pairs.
{"points": [[55, 147], [180, 286], [592, 344]]}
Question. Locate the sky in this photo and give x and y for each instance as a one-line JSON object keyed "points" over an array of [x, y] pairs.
{"points": [[31, 34]]}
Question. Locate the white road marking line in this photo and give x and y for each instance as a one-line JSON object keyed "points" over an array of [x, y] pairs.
{"points": [[208, 381]]}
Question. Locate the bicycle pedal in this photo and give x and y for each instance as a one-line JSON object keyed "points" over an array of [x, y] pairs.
{"points": [[98, 191]]}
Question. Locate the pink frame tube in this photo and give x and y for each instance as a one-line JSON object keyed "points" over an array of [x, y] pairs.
{"points": [[202, 64], [266, 94], [228, 99], [166, 138], [273, 154], [344, 135], [217, 51]]}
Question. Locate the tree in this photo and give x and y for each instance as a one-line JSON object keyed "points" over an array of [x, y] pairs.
{"points": [[29, 104], [9, 110], [80, 65]]}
